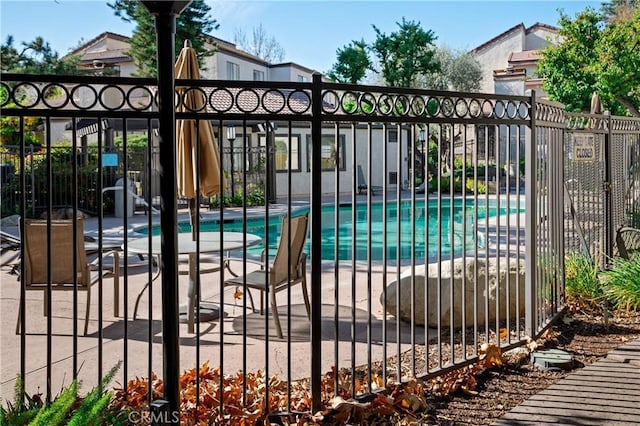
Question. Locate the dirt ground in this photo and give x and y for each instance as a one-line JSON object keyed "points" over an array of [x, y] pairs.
{"points": [[582, 333]]}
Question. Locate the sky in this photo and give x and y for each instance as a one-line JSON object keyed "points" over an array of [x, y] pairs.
{"points": [[309, 31]]}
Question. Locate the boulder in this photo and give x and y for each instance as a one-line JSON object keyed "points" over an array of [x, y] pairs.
{"points": [[462, 275]]}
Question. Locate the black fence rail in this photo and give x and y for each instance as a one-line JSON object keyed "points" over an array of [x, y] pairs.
{"points": [[436, 225]]}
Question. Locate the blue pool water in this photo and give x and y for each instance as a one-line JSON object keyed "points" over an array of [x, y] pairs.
{"points": [[455, 224]]}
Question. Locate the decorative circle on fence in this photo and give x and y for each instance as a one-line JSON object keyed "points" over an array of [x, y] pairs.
{"points": [[299, 101], [500, 109], [512, 110], [523, 110], [329, 102], [112, 98], [433, 106], [402, 105], [146, 95], [349, 102], [487, 108], [385, 104], [86, 95], [447, 107], [247, 100], [367, 103], [221, 100], [475, 108], [53, 88], [418, 106], [193, 92], [5, 94], [273, 101], [461, 108], [26, 95]]}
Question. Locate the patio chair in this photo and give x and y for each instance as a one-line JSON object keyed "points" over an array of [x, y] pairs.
{"points": [[62, 276], [628, 241], [277, 279], [9, 242]]}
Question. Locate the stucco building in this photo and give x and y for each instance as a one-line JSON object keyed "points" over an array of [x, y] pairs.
{"points": [[509, 60]]}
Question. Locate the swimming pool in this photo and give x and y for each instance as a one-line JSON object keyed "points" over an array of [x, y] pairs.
{"points": [[458, 228]]}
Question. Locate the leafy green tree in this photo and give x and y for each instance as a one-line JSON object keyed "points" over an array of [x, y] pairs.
{"points": [[405, 54], [618, 66], [459, 71], [36, 57], [352, 63], [568, 77], [193, 24], [595, 55]]}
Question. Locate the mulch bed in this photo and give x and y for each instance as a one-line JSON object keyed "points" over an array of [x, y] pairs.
{"points": [[582, 333]]}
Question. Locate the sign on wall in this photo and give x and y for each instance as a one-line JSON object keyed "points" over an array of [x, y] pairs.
{"points": [[584, 147]]}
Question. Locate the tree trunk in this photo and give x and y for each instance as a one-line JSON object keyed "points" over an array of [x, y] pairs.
{"points": [[629, 105]]}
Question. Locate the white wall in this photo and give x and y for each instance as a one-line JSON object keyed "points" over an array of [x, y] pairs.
{"points": [[513, 86], [216, 67], [537, 38], [301, 180], [496, 56], [288, 72], [127, 69]]}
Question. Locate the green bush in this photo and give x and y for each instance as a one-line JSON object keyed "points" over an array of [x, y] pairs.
{"points": [[581, 278], [255, 197], [622, 283], [476, 187], [136, 149], [66, 409]]}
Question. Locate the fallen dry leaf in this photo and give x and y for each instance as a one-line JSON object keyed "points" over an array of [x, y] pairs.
{"points": [[237, 295]]}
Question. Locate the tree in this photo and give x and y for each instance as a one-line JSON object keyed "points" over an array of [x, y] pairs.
{"points": [[352, 63], [616, 9], [35, 57], [192, 24], [261, 44], [405, 54], [459, 71], [595, 55], [618, 66]]}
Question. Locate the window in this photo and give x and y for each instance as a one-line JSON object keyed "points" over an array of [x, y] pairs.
{"points": [[282, 152], [258, 75], [393, 178], [233, 71], [392, 136], [302, 78], [329, 152]]}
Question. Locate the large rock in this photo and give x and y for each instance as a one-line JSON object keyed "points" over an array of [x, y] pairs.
{"points": [[474, 290]]}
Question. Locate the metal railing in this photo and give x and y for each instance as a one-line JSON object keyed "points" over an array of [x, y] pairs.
{"points": [[409, 272]]}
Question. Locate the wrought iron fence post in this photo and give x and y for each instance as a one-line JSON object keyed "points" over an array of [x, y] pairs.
{"points": [[165, 13], [316, 242], [608, 205], [531, 230]]}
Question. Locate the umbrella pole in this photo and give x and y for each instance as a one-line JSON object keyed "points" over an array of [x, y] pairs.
{"points": [[193, 220]]}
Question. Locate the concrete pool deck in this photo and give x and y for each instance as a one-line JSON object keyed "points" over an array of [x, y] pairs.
{"points": [[237, 342]]}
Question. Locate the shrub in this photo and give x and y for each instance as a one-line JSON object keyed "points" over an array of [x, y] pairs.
{"points": [[622, 283], [255, 197], [476, 187], [66, 409], [581, 279]]}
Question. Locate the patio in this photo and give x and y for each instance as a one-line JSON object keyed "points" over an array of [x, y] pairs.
{"points": [[241, 337]]}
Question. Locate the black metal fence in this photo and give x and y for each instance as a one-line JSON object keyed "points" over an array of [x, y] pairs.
{"points": [[437, 224]]}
